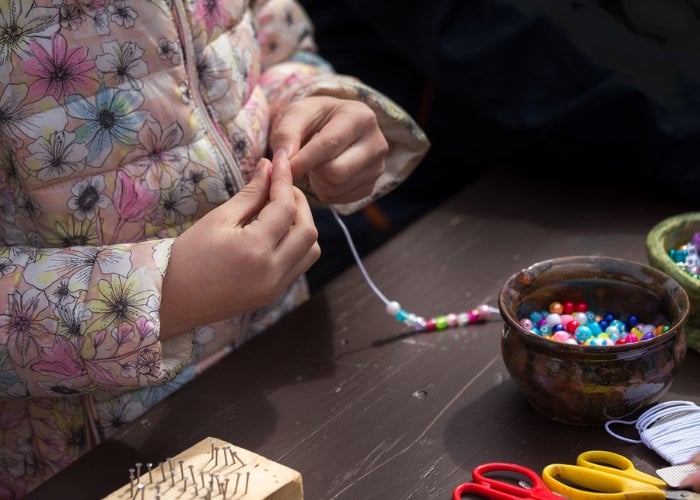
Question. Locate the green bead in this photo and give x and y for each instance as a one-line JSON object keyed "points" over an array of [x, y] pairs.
{"points": [[441, 322]]}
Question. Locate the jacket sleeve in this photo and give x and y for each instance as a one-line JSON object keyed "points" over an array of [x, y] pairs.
{"points": [[79, 319], [292, 70]]}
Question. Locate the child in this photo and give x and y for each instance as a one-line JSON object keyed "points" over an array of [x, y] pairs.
{"points": [[144, 234]]}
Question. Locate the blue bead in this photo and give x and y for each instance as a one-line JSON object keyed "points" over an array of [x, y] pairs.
{"points": [[401, 315], [603, 324], [558, 328], [595, 328], [620, 325], [535, 317], [591, 316], [545, 330], [609, 317], [632, 321], [583, 333]]}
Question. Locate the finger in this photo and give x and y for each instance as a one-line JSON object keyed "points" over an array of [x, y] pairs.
{"points": [[349, 177], [278, 215], [299, 121], [303, 233], [330, 142], [248, 202]]}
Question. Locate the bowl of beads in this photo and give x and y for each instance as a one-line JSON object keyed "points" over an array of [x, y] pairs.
{"points": [[592, 338], [673, 246]]}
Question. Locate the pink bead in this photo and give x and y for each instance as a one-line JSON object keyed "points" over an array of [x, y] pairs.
{"points": [[484, 312], [430, 325], [566, 319], [452, 320], [630, 338], [526, 323], [473, 315], [561, 336]]}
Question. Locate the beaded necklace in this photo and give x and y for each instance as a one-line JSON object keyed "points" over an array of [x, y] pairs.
{"points": [[413, 321]]}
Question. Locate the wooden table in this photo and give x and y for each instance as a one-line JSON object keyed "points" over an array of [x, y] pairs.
{"points": [[338, 390]]}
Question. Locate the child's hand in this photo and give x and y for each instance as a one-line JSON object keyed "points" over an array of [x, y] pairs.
{"points": [[692, 482], [242, 255], [337, 142]]}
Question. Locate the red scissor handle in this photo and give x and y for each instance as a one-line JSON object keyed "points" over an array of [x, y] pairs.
{"points": [[481, 490], [500, 490]]}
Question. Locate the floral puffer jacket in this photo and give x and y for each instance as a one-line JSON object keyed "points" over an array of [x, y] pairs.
{"points": [[121, 123]]}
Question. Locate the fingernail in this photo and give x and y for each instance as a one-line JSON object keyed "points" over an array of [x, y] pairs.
{"points": [[280, 153]]}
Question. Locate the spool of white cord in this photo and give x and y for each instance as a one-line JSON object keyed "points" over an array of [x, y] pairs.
{"points": [[671, 429]]}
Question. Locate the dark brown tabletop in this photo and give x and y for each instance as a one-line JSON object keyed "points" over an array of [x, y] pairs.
{"points": [[340, 392]]}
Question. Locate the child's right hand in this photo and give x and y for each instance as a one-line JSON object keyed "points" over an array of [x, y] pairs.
{"points": [[242, 255]]}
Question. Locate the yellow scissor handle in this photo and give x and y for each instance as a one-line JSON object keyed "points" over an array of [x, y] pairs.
{"points": [[614, 463], [582, 483]]}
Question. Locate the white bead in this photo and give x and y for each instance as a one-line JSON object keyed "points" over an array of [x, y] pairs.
{"points": [[462, 319], [393, 308]]}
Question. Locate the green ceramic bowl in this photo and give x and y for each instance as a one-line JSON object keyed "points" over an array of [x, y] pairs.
{"points": [[673, 233]]}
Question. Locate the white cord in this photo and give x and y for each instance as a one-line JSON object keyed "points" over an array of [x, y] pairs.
{"points": [[374, 287], [671, 429], [394, 308]]}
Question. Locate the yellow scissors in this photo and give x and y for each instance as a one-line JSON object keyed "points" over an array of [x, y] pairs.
{"points": [[600, 475]]}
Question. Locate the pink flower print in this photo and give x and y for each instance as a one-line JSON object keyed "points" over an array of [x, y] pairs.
{"points": [[132, 199], [61, 360], [26, 326], [61, 72], [212, 13]]}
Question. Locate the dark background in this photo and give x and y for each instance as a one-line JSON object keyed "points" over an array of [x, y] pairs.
{"points": [[596, 93]]}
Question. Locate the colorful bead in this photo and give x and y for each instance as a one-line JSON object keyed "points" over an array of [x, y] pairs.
{"points": [[393, 307], [462, 319], [484, 312], [452, 320], [535, 317], [583, 333], [553, 319], [401, 315], [418, 323], [586, 327], [556, 308]]}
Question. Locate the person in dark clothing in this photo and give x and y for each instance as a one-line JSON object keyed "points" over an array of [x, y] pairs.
{"points": [[589, 91]]}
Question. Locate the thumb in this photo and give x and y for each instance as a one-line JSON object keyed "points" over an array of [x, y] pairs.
{"points": [[247, 203]]}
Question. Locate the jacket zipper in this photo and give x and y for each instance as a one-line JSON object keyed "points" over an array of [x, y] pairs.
{"points": [[200, 106]]}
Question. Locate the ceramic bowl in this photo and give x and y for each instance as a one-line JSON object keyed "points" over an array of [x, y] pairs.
{"points": [[588, 385], [673, 233]]}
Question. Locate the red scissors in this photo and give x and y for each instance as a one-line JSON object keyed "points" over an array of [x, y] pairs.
{"points": [[489, 487]]}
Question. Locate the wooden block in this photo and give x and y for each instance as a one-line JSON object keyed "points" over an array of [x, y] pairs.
{"points": [[229, 473]]}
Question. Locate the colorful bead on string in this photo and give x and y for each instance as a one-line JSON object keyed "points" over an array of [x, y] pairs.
{"points": [[571, 323], [686, 256], [450, 320], [417, 323]]}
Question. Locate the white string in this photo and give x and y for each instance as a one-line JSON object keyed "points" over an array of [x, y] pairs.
{"points": [[374, 287], [392, 307], [671, 429]]}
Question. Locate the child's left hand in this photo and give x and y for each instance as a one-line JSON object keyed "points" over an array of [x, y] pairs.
{"points": [[336, 142]]}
